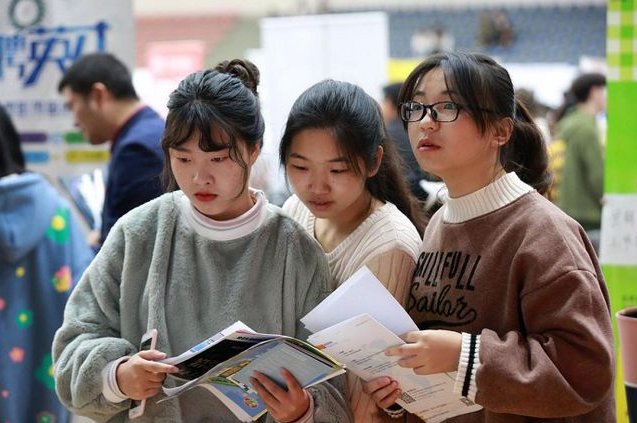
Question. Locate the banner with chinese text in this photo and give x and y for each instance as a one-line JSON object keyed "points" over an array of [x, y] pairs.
{"points": [[39, 40]]}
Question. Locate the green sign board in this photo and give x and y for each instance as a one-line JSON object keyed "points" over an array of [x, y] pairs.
{"points": [[621, 150]]}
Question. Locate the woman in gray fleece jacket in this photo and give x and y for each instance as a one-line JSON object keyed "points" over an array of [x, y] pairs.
{"points": [[191, 263]]}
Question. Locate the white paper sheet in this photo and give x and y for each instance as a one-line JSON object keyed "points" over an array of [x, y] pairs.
{"points": [[361, 293], [618, 242], [359, 342]]}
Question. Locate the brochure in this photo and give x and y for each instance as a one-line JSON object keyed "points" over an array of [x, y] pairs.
{"points": [[224, 363]]}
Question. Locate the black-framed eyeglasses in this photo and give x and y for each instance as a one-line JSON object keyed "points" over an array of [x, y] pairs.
{"points": [[442, 111]]}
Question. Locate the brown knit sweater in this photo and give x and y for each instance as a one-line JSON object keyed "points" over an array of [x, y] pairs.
{"points": [[524, 281]]}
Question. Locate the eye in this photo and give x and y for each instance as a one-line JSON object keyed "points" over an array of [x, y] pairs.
{"points": [[415, 107], [299, 168], [218, 159], [182, 159], [338, 171], [449, 106]]}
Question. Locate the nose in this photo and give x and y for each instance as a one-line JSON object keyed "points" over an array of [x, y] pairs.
{"points": [[319, 183], [202, 176], [427, 120]]}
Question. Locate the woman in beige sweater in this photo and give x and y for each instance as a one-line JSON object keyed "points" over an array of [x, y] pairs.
{"points": [[351, 196]]}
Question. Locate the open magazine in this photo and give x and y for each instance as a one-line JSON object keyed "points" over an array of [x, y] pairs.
{"points": [[358, 332], [224, 363]]}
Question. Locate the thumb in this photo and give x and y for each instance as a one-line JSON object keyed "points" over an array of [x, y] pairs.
{"points": [[152, 355], [412, 336]]}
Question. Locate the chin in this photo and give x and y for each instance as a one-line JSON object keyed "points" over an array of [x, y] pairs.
{"points": [[96, 141]]}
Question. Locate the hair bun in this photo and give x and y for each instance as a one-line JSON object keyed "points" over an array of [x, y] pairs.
{"points": [[245, 70]]}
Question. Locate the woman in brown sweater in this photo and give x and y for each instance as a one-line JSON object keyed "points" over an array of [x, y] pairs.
{"points": [[507, 289]]}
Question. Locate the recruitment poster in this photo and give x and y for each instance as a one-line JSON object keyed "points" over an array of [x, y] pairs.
{"points": [[39, 40]]}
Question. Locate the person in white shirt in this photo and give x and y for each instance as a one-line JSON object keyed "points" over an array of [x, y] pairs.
{"points": [[351, 196]]}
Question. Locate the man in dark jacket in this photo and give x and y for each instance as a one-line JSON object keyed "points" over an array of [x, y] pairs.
{"points": [[98, 90]]}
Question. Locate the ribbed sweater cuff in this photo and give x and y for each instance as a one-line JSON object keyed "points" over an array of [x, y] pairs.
{"points": [[468, 367], [110, 390]]}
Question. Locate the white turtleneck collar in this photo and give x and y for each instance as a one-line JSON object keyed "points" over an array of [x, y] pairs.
{"points": [[226, 230], [494, 196]]}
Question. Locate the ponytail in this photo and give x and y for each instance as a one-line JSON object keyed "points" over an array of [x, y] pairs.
{"points": [[389, 184], [526, 152]]}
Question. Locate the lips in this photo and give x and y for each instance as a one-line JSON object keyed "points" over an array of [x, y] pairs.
{"points": [[426, 145], [320, 205], [204, 196]]}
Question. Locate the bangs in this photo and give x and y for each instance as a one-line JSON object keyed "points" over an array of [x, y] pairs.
{"points": [[351, 150], [213, 136]]}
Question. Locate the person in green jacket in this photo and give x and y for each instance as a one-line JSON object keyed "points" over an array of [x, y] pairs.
{"points": [[581, 183]]}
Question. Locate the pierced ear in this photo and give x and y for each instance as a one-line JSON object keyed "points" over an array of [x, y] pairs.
{"points": [[502, 131], [379, 160]]}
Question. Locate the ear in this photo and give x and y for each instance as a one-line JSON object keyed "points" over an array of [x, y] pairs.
{"points": [[254, 154], [379, 159], [502, 132], [99, 94]]}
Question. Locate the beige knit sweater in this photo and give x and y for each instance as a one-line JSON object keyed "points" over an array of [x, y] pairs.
{"points": [[387, 243]]}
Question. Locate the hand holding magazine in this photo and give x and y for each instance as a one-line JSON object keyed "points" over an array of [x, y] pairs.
{"points": [[224, 363], [357, 333]]}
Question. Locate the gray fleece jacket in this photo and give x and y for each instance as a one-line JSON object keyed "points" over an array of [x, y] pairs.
{"points": [[155, 271]]}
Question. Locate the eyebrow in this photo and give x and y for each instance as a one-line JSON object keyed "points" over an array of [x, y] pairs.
{"points": [[445, 92], [335, 160]]}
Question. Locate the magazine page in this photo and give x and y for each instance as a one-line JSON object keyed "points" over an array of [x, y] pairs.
{"points": [[207, 343], [207, 354], [247, 406], [229, 380], [360, 343], [270, 357]]}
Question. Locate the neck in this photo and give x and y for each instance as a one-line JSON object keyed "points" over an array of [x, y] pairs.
{"points": [[463, 185], [120, 111], [245, 202], [589, 108], [332, 231]]}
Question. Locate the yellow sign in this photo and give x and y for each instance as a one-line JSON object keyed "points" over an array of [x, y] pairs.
{"points": [[87, 156]]}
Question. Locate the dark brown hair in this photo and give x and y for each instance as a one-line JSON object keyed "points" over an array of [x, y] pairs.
{"points": [[486, 93], [11, 157], [579, 92], [224, 98], [99, 67]]}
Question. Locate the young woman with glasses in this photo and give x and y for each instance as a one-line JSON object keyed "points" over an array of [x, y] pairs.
{"points": [[507, 289], [191, 263], [351, 196]]}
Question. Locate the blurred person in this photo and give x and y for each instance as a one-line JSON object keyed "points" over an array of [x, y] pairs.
{"points": [[494, 29], [577, 153], [42, 255], [430, 40], [351, 197], [99, 91]]}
